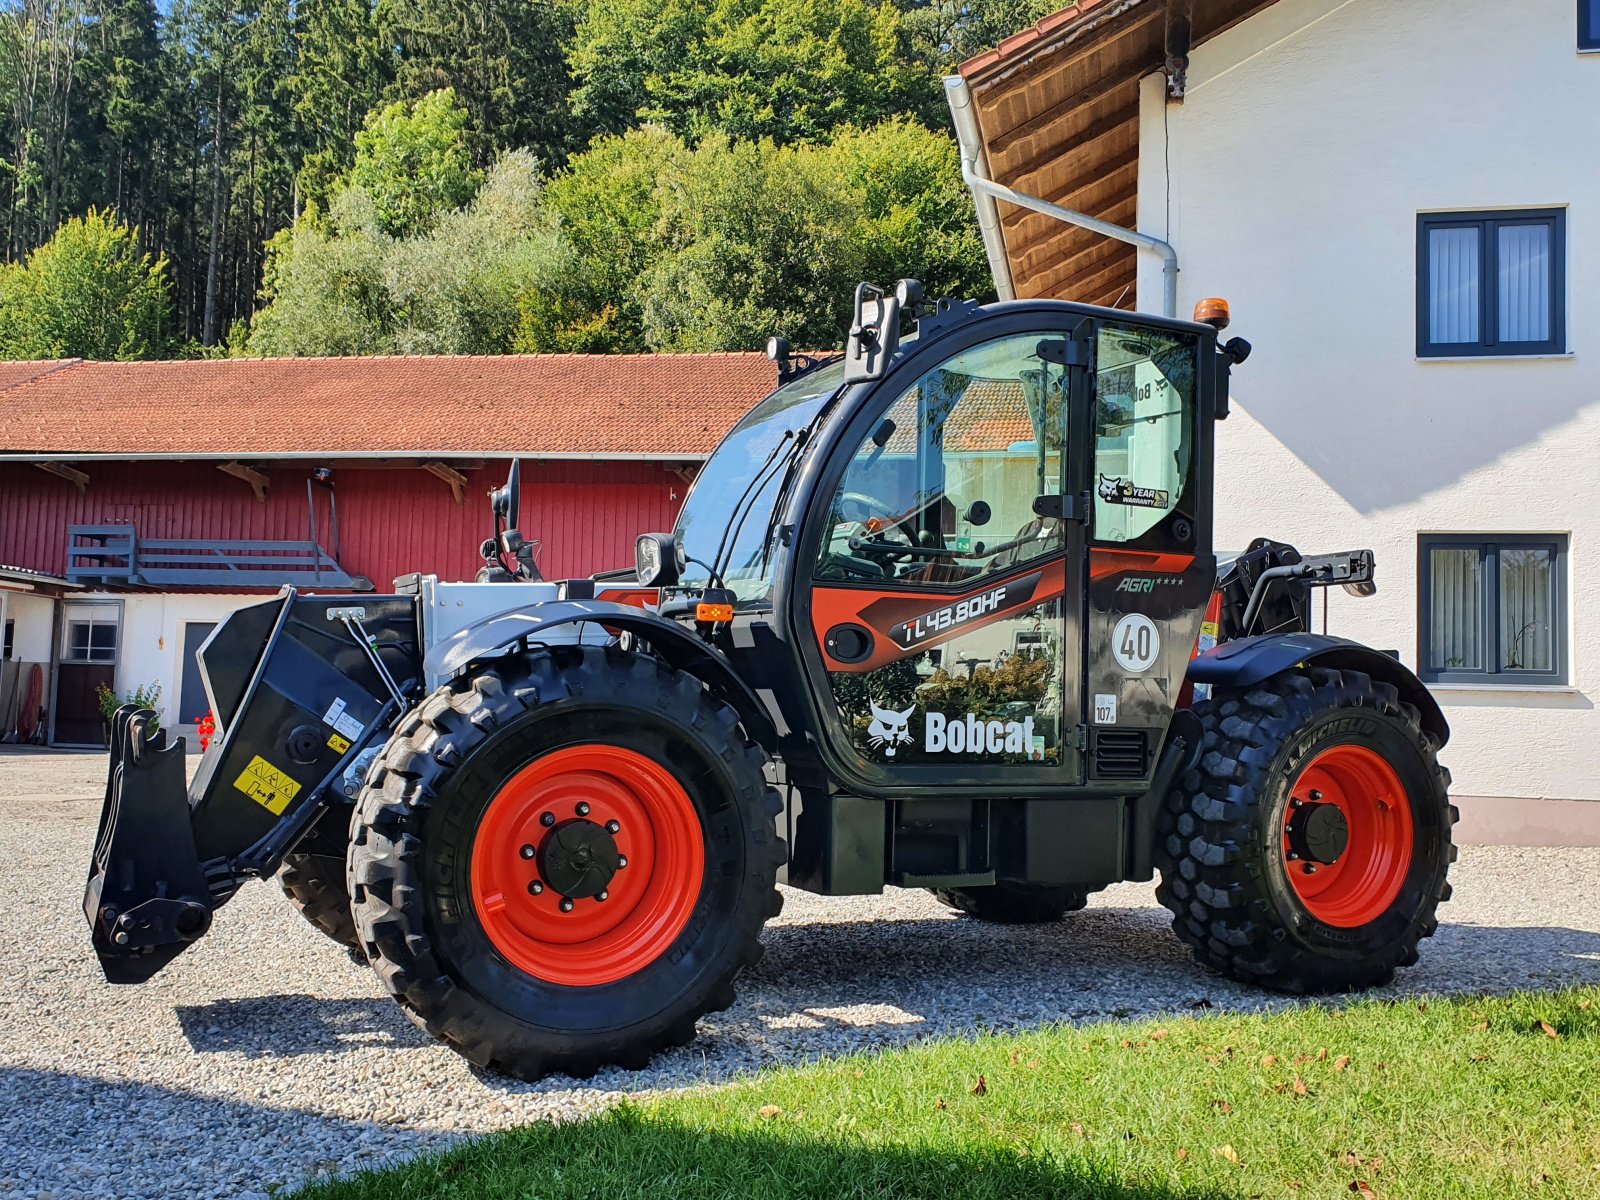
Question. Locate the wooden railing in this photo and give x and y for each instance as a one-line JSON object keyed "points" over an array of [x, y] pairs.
{"points": [[110, 554]]}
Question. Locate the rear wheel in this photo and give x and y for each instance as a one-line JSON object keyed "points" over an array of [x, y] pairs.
{"points": [[563, 861], [1014, 903], [315, 885], [313, 878], [1308, 850]]}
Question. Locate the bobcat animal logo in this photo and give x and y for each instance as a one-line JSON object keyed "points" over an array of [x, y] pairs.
{"points": [[890, 728], [1110, 488]]}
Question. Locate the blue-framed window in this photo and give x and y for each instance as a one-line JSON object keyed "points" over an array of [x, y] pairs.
{"points": [[1491, 283], [1493, 608], [1589, 24]]}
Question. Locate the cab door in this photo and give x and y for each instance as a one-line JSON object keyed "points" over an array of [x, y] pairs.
{"points": [[946, 557]]}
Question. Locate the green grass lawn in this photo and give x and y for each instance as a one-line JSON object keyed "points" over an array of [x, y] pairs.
{"points": [[1488, 1097]]}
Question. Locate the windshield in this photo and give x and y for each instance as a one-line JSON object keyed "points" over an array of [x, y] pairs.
{"points": [[732, 500]]}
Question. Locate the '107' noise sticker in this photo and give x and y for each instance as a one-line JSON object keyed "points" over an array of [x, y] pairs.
{"points": [[1136, 643]]}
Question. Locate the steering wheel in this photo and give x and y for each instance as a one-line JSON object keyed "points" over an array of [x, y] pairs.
{"points": [[876, 562]]}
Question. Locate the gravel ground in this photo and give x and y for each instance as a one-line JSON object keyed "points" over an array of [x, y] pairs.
{"points": [[263, 1055]]}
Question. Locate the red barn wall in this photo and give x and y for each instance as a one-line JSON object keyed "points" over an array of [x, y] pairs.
{"points": [[391, 521]]}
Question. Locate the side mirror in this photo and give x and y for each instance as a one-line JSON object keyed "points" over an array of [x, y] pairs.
{"points": [[507, 500], [657, 559], [874, 334]]}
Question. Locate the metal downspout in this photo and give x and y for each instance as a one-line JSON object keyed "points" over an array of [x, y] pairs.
{"points": [[970, 142], [985, 192]]}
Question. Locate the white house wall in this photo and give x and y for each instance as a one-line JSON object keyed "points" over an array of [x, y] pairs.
{"points": [[1311, 137], [34, 616], [152, 636]]}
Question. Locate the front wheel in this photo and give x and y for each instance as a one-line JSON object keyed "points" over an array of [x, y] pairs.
{"points": [[1308, 850], [563, 861]]}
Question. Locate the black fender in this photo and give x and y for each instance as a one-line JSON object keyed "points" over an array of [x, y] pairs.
{"points": [[675, 644], [1249, 660]]}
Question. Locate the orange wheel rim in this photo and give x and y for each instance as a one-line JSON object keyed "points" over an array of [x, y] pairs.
{"points": [[587, 865], [1347, 836]]}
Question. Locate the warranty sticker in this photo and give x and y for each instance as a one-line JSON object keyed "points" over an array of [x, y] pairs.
{"points": [[267, 786]]}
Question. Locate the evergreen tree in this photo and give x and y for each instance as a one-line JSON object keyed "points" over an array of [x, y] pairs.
{"points": [[505, 61], [342, 65]]}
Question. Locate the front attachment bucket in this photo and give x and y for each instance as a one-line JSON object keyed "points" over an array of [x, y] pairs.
{"points": [[147, 896]]}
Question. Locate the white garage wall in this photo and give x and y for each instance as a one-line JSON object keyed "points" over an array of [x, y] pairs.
{"points": [[152, 637], [1311, 137], [34, 616]]}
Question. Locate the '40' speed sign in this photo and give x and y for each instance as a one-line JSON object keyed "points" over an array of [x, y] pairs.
{"points": [[1136, 643]]}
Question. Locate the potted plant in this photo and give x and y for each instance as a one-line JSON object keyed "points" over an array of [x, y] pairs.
{"points": [[145, 696]]}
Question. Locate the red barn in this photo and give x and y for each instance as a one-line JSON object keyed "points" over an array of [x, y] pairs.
{"points": [[141, 502]]}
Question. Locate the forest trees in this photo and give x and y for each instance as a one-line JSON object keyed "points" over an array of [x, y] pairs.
{"points": [[87, 293], [673, 173]]}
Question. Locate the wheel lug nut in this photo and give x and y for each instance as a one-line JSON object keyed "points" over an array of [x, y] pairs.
{"points": [[1293, 857], [535, 888], [583, 809], [548, 819], [1311, 868], [528, 852], [1316, 795], [566, 905], [1296, 802], [613, 826], [603, 896], [622, 860]]}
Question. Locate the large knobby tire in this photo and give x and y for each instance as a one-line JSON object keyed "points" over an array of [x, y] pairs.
{"points": [[460, 796], [1295, 747], [1009, 903], [315, 885]]}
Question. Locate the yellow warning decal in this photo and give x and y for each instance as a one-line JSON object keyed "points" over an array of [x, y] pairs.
{"points": [[267, 786], [338, 744]]}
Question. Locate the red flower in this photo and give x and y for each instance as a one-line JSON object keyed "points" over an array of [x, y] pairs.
{"points": [[206, 728]]}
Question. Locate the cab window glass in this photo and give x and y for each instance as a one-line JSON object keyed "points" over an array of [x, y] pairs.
{"points": [[729, 511], [1143, 429], [941, 491]]}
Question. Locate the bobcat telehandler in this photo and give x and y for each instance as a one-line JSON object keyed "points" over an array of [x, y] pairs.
{"points": [[941, 612]]}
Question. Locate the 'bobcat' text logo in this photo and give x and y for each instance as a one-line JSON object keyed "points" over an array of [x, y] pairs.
{"points": [[890, 728]]}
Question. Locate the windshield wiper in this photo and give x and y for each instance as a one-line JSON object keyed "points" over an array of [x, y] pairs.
{"points": [[741, 511], [1127, 423], [802, 439]]}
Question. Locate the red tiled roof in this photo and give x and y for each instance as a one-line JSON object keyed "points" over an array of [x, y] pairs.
{"points": [[13, 373], [1014, 45], [658, 406]]}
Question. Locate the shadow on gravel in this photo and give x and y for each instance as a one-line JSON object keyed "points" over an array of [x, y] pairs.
{"points": [[826, 989], [79, 1136], [284, 1026]]}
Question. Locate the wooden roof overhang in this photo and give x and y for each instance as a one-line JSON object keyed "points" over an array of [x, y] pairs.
{"points": [[1057, 106]]}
